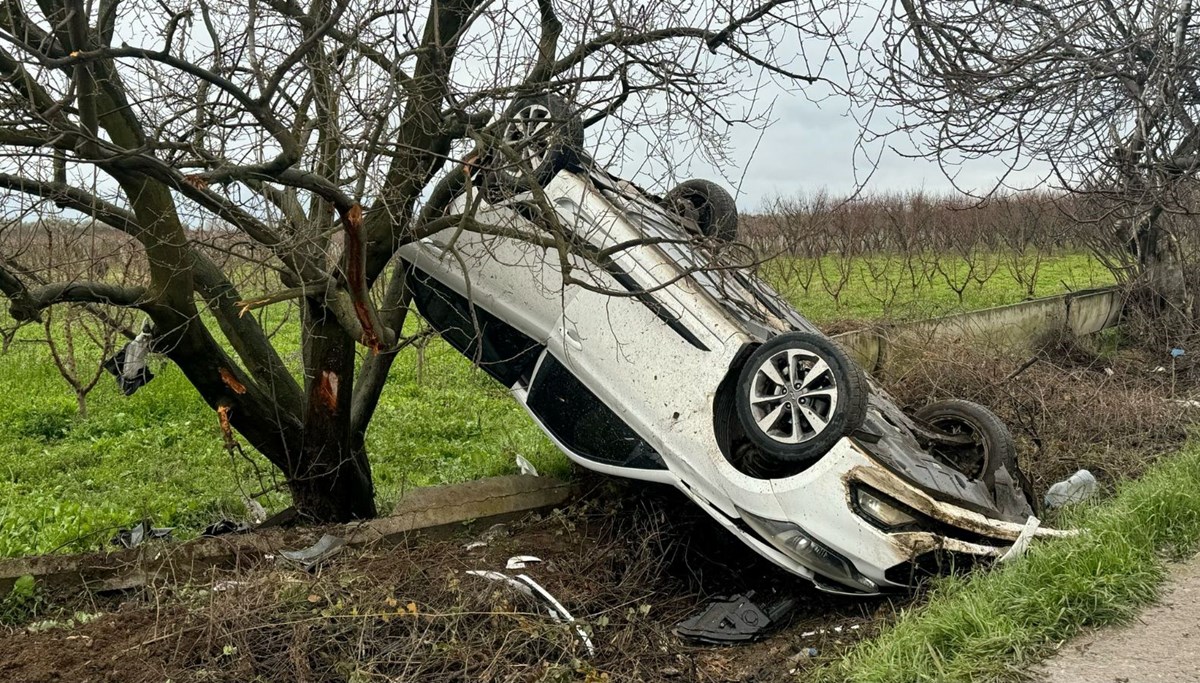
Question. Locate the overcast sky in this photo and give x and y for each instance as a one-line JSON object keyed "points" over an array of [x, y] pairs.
{"points": [[809, 147]]}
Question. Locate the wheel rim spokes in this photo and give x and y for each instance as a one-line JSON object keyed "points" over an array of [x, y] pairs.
{"points": [[793, 396], [528, 133]]}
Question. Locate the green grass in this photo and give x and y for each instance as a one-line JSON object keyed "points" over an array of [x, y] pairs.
{"points": [[67, 484], [883, 286], [990, 626]]}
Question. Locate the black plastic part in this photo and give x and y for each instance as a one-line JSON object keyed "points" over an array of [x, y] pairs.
{"points": [[116, 366], [735, 619]]}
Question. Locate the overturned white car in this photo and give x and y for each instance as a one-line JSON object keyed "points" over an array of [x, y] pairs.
{"points": [[659, 361]]}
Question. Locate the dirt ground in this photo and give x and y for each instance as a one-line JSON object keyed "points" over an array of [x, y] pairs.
{"points": [[411, 613], [1163, 644]]}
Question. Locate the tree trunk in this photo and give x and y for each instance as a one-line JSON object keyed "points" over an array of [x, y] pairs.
{"points": [[334, 482], [1161, 262]]}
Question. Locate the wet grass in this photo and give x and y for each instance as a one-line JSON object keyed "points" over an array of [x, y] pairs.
{"points": [[67, 484], [991, 626]]}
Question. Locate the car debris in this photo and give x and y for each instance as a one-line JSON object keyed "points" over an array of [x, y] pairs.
{"points": [[129, 364], [525, 585], [254, 510], [1021, 545], [521, 561], [225, 526], [140, 533], [311, 557], [735, 619], [697, 374], [1074, 489], [526, 467]]}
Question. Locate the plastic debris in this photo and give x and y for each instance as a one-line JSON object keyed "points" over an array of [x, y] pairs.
{"points": [[521, 561], [140, 533], [736, 619], [475, 544], [225, 526], [129, 364], [254, 510], [525, 466], [322, 550], [1109, 372], [527, 586], [1075, 488], [1021, 545], [493, 532], [1177, 352]]}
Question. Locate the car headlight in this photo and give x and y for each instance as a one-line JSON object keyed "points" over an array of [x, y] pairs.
{"points": [[880, 511], [804, 549]]}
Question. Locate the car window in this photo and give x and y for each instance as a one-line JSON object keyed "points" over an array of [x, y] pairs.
{"points": [[581, 421]]}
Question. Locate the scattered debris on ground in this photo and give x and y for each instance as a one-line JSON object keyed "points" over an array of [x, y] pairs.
{"points": [[625, 565]]}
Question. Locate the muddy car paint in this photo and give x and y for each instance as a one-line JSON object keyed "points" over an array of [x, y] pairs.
{"points": [[656, 356]]}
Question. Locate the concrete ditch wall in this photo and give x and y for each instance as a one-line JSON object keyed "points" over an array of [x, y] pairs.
{"points": [[436, 510], [1012, 327]]}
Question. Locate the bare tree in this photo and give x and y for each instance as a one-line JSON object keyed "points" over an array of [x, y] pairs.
{"points": [[1105, 94], [311, 140]]}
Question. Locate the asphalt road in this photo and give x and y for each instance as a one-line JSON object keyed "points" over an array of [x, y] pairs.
{"points": [[1163, 644]]}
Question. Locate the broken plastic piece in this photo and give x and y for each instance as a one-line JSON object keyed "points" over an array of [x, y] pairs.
{"points": [[735, 619], [322, 550], [225, 526], [141, 532], [527, 586], [129, 364], [475, 544], [1022, 543], [521, 561], [1078, 487], [526, 467], [255, 510]]}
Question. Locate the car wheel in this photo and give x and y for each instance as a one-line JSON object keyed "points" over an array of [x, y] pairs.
{"points": [[797, 395], [708, 204], [545, 133], [992, 447]]}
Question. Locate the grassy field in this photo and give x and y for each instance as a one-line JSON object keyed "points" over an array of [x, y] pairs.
{"points": [[881, 286], [68, 484]]}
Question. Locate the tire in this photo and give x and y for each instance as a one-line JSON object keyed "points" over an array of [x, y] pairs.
{"points": [[709, 205], [546, 133], [994, 446], [782, 420]]}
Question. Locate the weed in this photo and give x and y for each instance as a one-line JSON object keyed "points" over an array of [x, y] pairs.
{"points": [[22, 602]]}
